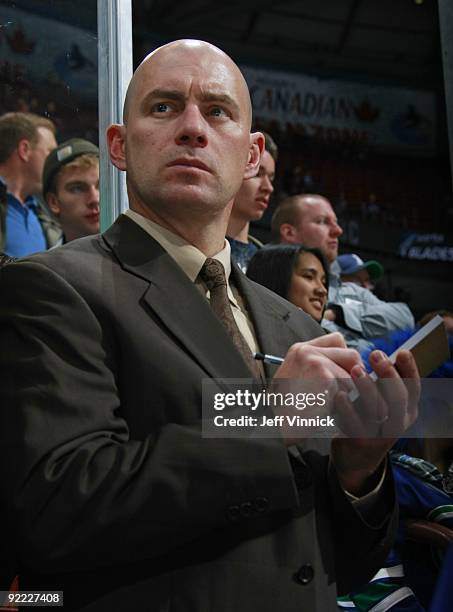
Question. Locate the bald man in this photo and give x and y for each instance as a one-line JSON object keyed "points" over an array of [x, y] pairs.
{"points": [[354, 311], [113, 494]]}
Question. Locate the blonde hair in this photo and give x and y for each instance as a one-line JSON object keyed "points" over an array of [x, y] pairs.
{"points": [[82, 162]]}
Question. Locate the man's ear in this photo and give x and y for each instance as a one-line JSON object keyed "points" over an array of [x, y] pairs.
{"points": [[255, 154], [53, 203], [116, 145], [24, 149], [288, 233]]}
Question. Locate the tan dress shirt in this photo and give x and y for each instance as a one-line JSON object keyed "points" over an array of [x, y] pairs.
{"points": [[191, 260]]}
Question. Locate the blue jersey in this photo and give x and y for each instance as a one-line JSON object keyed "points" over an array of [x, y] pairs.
{"points": [[406, 582]]}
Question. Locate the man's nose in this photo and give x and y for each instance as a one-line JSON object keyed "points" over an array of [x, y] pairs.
{"points": [[336, 229], [191, 129]]}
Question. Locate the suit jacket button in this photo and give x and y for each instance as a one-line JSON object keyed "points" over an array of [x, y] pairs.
{"points": [[261, 504], [305, 574], [233, 513]]}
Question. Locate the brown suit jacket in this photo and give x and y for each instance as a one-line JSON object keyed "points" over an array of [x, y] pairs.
{"points": [[111, 491]]}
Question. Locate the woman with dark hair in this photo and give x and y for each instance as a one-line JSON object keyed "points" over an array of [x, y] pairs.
{"points": [[297, 273]]}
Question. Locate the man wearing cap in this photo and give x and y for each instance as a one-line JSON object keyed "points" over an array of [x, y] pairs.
{"points": [[25, 141], [71, 187], [363, 273], [354, 311]]}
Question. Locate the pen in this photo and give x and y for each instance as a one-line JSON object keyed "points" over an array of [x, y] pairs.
{"points": [[268, 358]]}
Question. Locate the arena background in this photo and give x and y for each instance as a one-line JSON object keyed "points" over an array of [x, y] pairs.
{"points": [[352, 91]]}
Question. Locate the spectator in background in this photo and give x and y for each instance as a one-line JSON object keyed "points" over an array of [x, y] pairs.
{"points": [[371, 209], [250, 204], [71, 187], [300, 180], [297, 273], [363, 273], [352, 310], [25, 142]]}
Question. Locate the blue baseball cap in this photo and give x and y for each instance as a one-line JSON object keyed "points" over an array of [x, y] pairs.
{"points": [[351, 263]]}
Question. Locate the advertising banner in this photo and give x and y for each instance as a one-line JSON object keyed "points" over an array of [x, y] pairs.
{"points": [[45, 51], [392, 118], [431, 247], [428, 247]]}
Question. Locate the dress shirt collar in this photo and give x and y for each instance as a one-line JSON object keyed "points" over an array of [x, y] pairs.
{"points": [[187, 256], [191, 260]]}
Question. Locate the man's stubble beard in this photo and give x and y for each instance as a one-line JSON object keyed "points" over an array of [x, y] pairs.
{"points": [[165, 204]]}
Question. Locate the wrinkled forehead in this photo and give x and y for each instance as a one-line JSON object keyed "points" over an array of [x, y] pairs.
{"points": [[180, 67]]}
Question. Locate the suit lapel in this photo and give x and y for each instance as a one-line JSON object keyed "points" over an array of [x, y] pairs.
{"points": [[271, 319], [174, 299]]}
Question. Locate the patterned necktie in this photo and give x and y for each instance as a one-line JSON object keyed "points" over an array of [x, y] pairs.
{"points": [[213, 275]]}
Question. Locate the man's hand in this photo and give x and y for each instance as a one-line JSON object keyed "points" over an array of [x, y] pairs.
{"points": [[324, 362], [326, 357], [383, 410], [390, 408]]}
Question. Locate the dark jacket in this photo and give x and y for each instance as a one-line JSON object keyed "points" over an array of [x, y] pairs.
{"points": [[112, 492]]}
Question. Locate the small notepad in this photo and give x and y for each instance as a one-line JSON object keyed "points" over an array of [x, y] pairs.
{"points": [[429, 346]]}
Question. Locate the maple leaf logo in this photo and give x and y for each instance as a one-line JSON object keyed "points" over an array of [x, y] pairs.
{"points": [[366, 113], [19, 44]]}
